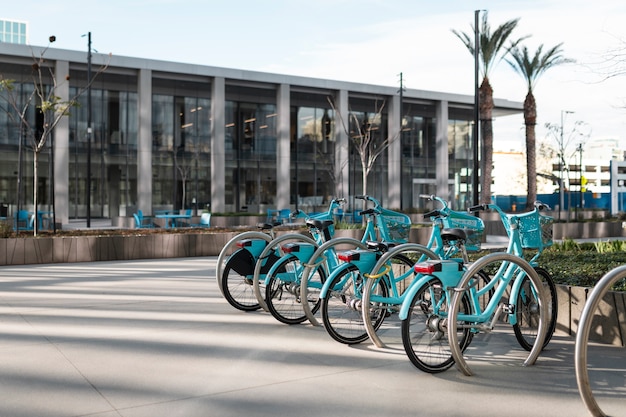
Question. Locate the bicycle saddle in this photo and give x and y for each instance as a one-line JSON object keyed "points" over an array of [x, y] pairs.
{"points": [[319, 224], [448, 235]]}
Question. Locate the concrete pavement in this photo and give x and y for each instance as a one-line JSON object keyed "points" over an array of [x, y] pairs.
{"points": [[156, 338]]}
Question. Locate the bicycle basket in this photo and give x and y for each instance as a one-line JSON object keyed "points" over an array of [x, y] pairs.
{"points": [[394, 226], [535, 229], [467, 222]]}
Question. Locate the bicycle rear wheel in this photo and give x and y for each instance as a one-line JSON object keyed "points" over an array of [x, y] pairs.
{"points": [[282, 293], [527, 311], [237, 282], [424, 331], [341, 308]]}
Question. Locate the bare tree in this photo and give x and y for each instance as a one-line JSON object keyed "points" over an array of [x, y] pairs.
{"points": [[50, 106], [366, 137]]}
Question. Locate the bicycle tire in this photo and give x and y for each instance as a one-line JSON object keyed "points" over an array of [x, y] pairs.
{"points": [[527, 316], [283, 292], [341, 308], [236, 287], [424, 333]]}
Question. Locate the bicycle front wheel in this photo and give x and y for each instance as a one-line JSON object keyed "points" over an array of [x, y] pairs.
{"points": [[341, 308], [282, 293], [527, 311], [424, 331]]}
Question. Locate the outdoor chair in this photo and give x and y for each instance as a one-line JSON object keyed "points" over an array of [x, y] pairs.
{"points": [[205, 221], [142, 222]]}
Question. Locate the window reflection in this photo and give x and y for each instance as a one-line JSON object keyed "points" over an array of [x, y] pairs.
{"points": [[312, 157], [250, 155]]}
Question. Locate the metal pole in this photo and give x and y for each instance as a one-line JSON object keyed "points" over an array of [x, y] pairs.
{"points": [[475, 140], [561, 196], [580, 177], [89, 130]]}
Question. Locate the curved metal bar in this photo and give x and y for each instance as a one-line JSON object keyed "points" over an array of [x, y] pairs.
{"points": [[298, 237], [582, 337], [404, 248], [304, 282]]}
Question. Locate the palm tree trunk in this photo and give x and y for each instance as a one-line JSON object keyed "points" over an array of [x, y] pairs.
{"points": [[530, 120], [486, 111]]}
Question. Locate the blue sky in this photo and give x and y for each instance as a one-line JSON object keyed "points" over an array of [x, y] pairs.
{"points": [[370, 41]]}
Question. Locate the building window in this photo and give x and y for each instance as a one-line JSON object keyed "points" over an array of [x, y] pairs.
{"points": [[250, 144], [312, 148]]}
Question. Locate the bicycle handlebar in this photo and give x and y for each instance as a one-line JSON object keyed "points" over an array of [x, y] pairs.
{"points": [[480, 207], [440, 212]]}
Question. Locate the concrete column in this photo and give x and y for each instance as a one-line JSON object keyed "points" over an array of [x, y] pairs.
{"points": [[342, 146], [283, 157], [394, 154], [62, 148], [441, 144], [218, 138], [144, 142]]}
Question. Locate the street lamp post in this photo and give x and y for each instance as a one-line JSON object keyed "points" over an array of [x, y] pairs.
{"points": [[562, 164], [580, 176], [89, 130]]}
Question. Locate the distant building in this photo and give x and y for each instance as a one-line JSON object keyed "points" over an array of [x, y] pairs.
{"points": [[13, 31], [595, 158], [168, 136], [586, 167]]}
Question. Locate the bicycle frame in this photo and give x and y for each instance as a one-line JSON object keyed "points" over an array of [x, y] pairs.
{"points": [[450, 275], [326, 255]]}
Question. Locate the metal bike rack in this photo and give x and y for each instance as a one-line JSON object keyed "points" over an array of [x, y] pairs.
{"points": [[582, 337]]}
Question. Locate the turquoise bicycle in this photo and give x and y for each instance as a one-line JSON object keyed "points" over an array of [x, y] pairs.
{"points": [[449, 300], [294, 285], [535, 234], [274, 248], [386, 287], [250, 255], [341, 295]]}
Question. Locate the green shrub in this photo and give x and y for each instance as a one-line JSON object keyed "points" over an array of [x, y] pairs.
{"points": [[6, 229]]}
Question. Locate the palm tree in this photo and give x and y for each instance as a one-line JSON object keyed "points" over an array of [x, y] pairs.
{"points": [[531, 68], [492, 49]]}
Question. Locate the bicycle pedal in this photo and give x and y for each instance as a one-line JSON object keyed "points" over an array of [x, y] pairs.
{"points": [[508, 308]]}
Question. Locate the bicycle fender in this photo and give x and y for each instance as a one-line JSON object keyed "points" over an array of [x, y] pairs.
{"points": [[242, 262], [410, 293], [336, 271]]}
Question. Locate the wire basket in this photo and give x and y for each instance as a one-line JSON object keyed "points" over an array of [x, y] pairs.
{"points": [[535, 229], [474, 228], [394, 226]]}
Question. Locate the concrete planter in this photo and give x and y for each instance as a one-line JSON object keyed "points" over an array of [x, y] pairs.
{"points": [[609, 323], [59, 249], [595, 230]]}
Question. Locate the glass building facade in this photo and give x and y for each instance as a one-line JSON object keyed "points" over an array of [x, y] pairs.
{"points": [[175, 136]]}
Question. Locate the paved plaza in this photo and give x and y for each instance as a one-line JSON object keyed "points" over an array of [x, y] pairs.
{"points": [[156, 338]]}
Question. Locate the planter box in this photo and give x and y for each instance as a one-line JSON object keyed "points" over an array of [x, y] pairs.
{"points": [[59, 249], [609, 323]]}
